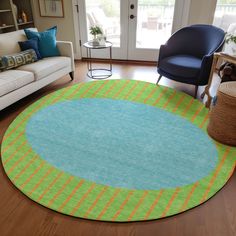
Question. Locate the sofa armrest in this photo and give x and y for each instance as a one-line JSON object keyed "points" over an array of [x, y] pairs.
{"points": [[66, 49]]}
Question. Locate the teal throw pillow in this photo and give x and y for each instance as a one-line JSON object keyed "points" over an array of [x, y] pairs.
{"points": [[47, 41], [19, 59]]}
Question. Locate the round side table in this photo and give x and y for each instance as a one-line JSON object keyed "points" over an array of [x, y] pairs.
{"points": [[98, 73], [222, 123]]}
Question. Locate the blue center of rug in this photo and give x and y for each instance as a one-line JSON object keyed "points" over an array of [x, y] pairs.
{"points": [[121, 144]]}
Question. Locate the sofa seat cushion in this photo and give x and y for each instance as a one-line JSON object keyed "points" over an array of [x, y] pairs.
{"points": [[14, 79], [47, 66], [181, 65]]}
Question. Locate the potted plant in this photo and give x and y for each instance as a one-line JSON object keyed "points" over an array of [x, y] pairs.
{"points": [[95, 31], [231, 40]]}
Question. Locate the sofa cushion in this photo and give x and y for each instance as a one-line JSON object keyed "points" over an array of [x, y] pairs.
{"points": [[46, 66], [14, 79], [19, 59], [31, 44], [8, 42], [47, 41]]}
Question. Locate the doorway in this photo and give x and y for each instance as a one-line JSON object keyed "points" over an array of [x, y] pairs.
{"points": [[136, 28]]}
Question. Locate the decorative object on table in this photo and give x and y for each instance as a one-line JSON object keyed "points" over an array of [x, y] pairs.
{"points": [[231, 40], [95, 31], [102, 40], [222, 124], [51, 8], [122, 167]]}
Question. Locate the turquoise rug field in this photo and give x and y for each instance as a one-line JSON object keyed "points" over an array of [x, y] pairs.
{"points": [[116, 150]]}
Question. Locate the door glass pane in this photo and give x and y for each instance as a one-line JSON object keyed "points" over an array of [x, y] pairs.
{"points": [[106, 14], [154, 22], [225, 13]]}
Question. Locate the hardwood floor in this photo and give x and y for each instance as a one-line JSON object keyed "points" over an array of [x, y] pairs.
{"points": [[20, 216]]}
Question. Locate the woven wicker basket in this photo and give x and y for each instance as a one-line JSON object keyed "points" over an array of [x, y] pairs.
{"points": [[222, 123]]}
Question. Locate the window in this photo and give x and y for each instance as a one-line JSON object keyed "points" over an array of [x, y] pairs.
{"points": [[225, 13]]}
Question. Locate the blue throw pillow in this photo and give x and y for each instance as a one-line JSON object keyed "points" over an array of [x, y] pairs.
{"points": [[47, 41], [31, 44]]}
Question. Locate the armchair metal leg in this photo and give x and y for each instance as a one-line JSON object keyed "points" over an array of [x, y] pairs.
{"points": [[158, 79], [195, 93], [72, 75]]}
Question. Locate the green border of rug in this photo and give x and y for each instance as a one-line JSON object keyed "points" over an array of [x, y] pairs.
{"points": [[78, 197]]}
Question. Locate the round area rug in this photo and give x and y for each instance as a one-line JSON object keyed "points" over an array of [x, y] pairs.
{"points": [[116, 150]]}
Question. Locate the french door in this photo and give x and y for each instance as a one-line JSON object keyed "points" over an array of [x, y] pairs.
{"points": [[136, 28]]}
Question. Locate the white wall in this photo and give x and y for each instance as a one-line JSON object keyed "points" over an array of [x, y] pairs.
{"points": [[202, 11]]}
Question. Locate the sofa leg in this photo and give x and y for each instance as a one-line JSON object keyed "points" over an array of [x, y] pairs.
{"points": [[195, 93], [72, 75], [158, 79]]}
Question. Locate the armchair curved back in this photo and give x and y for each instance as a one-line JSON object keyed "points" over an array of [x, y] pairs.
{"points": [[196, 40]]}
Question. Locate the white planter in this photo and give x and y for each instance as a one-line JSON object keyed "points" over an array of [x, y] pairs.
{"points": [[95, 42]]}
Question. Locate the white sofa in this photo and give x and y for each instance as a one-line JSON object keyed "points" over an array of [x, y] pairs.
{"points": [[24, 80]]}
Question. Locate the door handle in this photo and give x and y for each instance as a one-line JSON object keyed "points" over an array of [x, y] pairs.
{"points": [[131, 17], [77, 7]]}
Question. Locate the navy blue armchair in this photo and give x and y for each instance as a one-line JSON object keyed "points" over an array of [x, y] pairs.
{"points": [[187, 55]]}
